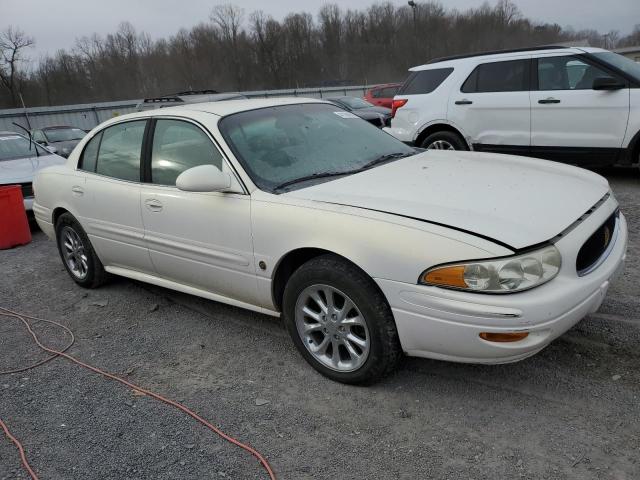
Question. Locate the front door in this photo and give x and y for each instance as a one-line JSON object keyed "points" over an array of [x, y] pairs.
{"points": [[569, 120], [201, 240]]}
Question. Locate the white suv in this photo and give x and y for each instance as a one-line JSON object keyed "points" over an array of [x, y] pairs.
{"points": [[576, 105]]}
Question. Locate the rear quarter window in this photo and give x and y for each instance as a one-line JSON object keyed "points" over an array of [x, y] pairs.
{"points": [[424, 81]]}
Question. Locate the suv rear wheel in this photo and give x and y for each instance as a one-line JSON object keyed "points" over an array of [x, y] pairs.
{"points": [[444, 140]]}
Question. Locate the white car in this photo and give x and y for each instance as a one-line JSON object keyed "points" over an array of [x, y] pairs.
{"points": [[20, 159], [366, 247], [575, 105]]}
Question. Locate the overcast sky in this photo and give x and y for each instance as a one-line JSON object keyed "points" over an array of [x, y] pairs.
{"points": [[56, 24]]}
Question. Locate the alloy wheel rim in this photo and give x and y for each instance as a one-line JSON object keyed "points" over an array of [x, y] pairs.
{"points": [[74, 253], [440, 145], [332, 328]]}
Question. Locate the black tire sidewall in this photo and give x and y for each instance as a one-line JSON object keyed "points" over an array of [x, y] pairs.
{"points": [[453, 138], [94, 266], [384, 344]]}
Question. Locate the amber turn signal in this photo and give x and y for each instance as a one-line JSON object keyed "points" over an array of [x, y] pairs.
{"points": [[504, 337], [447, 276]]}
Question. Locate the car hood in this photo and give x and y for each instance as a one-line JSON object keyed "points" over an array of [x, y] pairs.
{"points": [[22, 170], [516, 201]]}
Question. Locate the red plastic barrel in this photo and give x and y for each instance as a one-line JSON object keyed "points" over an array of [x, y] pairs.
{"points": [[14, 226]]}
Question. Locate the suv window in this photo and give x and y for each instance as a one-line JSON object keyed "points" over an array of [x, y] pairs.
{"points": [[90, 154], [567, 73], [510, 76], [178, 146], [120, 151], [424, 81]]}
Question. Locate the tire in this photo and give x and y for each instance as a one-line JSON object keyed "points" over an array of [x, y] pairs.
{"points": [[444, 140], [77, 254], [367, 329]]}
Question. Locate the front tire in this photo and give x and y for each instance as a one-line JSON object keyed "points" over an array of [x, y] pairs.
{"points": [[340, 321], [77, 254], [444, 140]]}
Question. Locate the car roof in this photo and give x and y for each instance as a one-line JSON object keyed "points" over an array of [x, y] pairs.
{"points": [[220, 109], [447, 62], [229, 107]]}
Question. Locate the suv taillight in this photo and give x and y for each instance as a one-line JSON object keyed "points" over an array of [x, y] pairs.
{"points": [[396, 105]]}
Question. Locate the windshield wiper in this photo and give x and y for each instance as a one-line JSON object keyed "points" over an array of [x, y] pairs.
{"points": [[310, 177], [383, 159]]}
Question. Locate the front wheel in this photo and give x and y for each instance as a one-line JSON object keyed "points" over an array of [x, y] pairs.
{"points": [[444, 141], [340, 321]]}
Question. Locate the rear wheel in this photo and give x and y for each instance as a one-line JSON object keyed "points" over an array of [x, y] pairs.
{"points": [[77, 254], [444, 140], [340, 321]]}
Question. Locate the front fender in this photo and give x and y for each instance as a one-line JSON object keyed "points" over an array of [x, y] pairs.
{"points": [[383, 245]]}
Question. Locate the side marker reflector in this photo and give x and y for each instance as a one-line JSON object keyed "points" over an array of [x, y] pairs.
{"points": [[504, 337]]}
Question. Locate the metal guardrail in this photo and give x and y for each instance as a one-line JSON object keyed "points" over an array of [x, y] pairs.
{"points": [[88, 115]]}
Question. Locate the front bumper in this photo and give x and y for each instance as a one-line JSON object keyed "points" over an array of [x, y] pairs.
{"points": [[444, 324]]}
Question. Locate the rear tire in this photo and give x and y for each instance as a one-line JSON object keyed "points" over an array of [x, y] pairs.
{"points": [[340, 321], [77, 254], [444, 140]]}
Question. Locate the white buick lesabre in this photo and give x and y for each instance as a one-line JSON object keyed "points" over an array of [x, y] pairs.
{"points": [[367, 247]]}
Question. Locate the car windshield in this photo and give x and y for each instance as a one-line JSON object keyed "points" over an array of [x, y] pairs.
{"points": [[64, 134], [16, 146], [625, 64], [279, 145], [355, 102]]}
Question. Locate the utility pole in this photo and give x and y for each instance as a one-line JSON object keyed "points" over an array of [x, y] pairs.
{"points": [[414, 7]]}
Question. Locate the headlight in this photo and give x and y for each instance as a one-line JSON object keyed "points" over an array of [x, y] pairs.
{"points": [[500, 275]]}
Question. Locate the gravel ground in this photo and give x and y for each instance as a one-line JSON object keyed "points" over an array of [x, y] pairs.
{"points": [[572, 411]]}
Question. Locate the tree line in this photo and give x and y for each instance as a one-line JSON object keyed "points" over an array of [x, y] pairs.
{"points": [[235, 51]]}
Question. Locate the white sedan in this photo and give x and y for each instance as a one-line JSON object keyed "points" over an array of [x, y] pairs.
{"points": [[20, 159], [366, 247]]}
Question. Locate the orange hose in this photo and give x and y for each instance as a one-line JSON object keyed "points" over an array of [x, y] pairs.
{"points": [[23, 318], [17, 443]]}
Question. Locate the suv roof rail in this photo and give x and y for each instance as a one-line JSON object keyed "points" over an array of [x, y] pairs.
{"points": [[197, 92], [495, 52], [163, 100]]}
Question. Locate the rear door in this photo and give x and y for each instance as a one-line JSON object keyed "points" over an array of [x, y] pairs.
{"points": [[569, 120], [492, 106], [196, 239], [108, 200]]}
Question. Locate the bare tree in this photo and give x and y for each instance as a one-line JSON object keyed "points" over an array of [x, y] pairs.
{"points": [[228, 19], [13, 41], [373, 45]]}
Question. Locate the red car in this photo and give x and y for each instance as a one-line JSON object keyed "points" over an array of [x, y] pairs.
{"points": [[382, 95]]}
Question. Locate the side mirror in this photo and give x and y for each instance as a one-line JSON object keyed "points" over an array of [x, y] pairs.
{"points": [[204, 178], [608, 83], [51, 149]]}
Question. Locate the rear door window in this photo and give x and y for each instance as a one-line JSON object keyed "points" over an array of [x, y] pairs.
{"points": [[424, 81], [90, 154], [510, 76], [120, 151]]}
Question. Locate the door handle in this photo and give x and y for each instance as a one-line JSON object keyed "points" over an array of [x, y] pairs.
{"points": [[463, 102], [77, 191], [153, 204], [545, 101]]}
